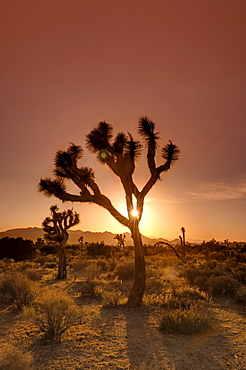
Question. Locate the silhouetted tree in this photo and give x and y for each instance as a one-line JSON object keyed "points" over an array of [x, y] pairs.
{"points": [[120, 156], [121, 240], [55, 228], [182, 241]]}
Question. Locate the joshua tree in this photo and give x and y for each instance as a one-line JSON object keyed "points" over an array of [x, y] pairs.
{"points": [[121, 240], [182, 241], [120, 156], [55, 228]]}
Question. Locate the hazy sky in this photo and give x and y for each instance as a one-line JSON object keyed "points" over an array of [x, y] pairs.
{"points": [[68, 64]]}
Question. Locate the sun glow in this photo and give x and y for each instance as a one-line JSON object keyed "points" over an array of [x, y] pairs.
{"points": [[134, 213]]}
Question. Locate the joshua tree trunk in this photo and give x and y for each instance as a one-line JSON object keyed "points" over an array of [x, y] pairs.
{"points": [[183, 242], [62, 262], [137, 291]]}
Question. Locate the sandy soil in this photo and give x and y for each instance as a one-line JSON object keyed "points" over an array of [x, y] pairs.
{"points": [[122, 338]]}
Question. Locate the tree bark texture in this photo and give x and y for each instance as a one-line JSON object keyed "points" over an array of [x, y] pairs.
{"points": [[138, 289], [62, 263]]}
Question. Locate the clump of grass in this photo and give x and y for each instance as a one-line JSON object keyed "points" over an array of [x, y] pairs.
{"points": [[11, 358], [190, 320], [19, 288], [53, 313]]}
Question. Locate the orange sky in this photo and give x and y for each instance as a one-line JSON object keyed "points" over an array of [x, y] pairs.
{"points": [[66, 65]]}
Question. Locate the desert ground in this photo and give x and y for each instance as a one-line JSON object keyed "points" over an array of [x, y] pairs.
{"points": [[117, 337]]}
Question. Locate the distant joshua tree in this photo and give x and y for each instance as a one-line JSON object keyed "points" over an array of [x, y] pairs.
{"points": [[182, 241], [55, 228], [121, 240], [81, 241], [120, 156]]}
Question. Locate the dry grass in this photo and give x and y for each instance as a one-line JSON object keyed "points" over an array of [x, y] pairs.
{"points": [[97, 332]]}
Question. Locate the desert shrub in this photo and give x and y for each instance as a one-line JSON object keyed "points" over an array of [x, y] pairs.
{"points": [[6, 264], [125, 269], [19, 288], [241, 295], [183, 296], [222, 285], [239, 273], [50, 265], [30, 270], [11, 358], [219, 256], [53, 313], [103, 264], [155, 284], [109, 289], [177, 296], [195, 319], [92, 270], [46, 258], [78, 263], [17, 248], [33, 274], [88, 287], [210, 276], [154, 299], [99, 249], [155, 279], [48, 249]]}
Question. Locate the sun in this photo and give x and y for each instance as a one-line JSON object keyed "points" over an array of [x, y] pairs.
{"points": [[135, 213]]}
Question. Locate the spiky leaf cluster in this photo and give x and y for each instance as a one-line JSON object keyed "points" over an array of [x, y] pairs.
{"points": [[99, 141], [65, 161], [146, 128], [51, 187], [85, 174], [170, 152], [99, 137], [120, 143], [134, 147]]}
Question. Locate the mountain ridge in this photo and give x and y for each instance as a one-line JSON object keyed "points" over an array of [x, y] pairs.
{"points": [[33, 233]]}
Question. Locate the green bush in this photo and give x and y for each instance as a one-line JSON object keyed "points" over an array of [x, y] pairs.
{"points": [[11, 358], [53, 313], [192, 320], [19, 288]]}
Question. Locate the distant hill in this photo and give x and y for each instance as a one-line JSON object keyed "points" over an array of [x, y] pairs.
{"points": [[33, 233]]}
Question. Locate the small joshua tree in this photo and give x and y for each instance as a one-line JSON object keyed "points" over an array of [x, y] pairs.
{"points": [[120, 156], [55, 228], [121, 240], [182, 241]]}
